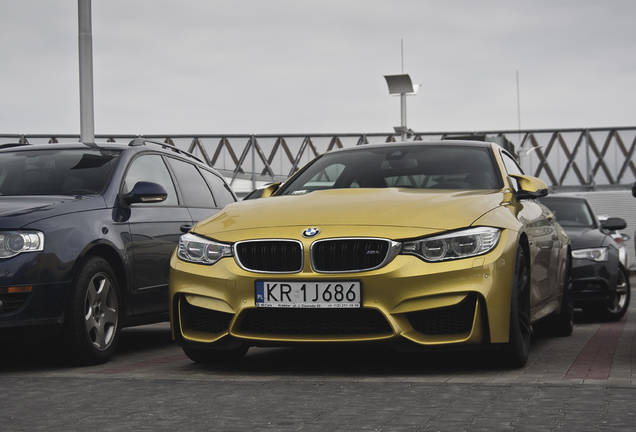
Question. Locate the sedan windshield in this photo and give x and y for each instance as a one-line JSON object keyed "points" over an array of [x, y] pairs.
{"points": [[571, 212], [55, 172], [419, 167]]}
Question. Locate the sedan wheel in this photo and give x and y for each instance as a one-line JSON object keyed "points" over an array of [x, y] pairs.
{"points": [[623, 294], [515, 352], [617, 309]]}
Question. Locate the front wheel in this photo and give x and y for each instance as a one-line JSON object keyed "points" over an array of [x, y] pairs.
{"points": [[515, 353], [618, 308], [92, 323]]}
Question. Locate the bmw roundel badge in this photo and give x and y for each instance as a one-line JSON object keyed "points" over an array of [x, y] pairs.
{"points": [[311, 232]]}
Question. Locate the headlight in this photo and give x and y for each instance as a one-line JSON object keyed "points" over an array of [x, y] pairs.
{"points": [[198, 250], [593, 254], [456, 245], [15, 242]]}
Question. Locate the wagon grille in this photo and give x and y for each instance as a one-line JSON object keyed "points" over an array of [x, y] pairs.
{"points": [[281, 256], [204, 320], [348, 255], [314, 322], [12, 302], [450, 320]]}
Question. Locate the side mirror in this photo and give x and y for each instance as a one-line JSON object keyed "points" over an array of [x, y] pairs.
{"points": [[634, 189], [530, 187], [146, 192], [614, 224], [270, 190]]}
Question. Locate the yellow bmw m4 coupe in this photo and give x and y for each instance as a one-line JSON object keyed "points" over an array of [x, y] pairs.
{"points": [[419, 245]]}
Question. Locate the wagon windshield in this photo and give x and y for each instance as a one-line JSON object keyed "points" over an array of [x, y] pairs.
{"points": [[55, 172]]}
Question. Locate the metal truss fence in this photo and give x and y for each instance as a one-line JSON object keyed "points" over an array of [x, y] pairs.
{"points": [[578, 159]]}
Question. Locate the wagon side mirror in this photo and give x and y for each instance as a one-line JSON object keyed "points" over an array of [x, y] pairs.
{"points": [[146, 192]]}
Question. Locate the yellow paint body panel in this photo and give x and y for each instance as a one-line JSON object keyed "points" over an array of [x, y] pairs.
{"points": [[405, 285]]}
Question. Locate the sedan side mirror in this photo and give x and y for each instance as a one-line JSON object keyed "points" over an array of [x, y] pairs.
{"points": [[530, 187], [614, 224], [270, 190], [146, 192]]}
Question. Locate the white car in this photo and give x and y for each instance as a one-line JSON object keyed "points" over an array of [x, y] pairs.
{"points": [[620, 240]]}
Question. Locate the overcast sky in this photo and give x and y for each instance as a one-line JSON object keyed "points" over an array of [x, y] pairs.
{"points": [[283, 66]]}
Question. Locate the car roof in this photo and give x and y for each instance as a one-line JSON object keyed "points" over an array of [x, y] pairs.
{"points": [[62, 146], [462, 143], [568, 196], [105, 145]]}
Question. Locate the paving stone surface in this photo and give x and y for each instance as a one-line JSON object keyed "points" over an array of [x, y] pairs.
{"points": [[584, 382]]}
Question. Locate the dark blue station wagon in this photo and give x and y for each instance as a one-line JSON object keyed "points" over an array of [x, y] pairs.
{"points": [[86, 234]]}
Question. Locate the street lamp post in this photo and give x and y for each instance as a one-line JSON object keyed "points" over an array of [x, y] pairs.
{"points": [[87, 125], [403, 86]]}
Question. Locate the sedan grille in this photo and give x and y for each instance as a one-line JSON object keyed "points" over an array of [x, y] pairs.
{"points": [[281, 256], [204, 320], [450, 320], [314, 322], [349, 255]]}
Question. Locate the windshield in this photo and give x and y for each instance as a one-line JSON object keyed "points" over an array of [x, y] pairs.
{"points": [[55, 172], [420, 167], [571, 212]]}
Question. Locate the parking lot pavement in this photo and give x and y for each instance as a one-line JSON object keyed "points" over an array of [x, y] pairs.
{"points": [[583, 382]]}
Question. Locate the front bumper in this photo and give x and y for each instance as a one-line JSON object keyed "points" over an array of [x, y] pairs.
{"points": [[36, 309], [463, 302], [38, 313], [592, 283]]}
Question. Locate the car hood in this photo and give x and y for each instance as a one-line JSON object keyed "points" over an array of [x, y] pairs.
{"points": [[18, 212], [583, 237], [394, 213]]}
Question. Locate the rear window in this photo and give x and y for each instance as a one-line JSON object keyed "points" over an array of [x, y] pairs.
{"points": [[55, 172]]}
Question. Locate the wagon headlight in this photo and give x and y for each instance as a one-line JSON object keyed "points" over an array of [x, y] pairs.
{"points": [[593, 254], [456, 245], [198, 250], [13, 243]]}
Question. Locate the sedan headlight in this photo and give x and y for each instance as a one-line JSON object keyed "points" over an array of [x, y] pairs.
{"points": [[13, 243], [199, 250], [593, 254], [456, 245]]}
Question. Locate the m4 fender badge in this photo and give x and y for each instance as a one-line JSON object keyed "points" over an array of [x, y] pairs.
{"points": [[311, 232]]}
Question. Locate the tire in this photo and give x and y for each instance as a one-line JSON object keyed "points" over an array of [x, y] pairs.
{"points": [[616, 310], [92, 322], [561, 324], [215, 356], [515, 353]]}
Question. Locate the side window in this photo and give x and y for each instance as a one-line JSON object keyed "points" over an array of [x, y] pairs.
{"points": [[512, 168], [192, 185], [151, 168], [222, 193], [511, 165]]}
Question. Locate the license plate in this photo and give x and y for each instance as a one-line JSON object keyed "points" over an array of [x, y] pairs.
{"points": [[308, 294]]}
